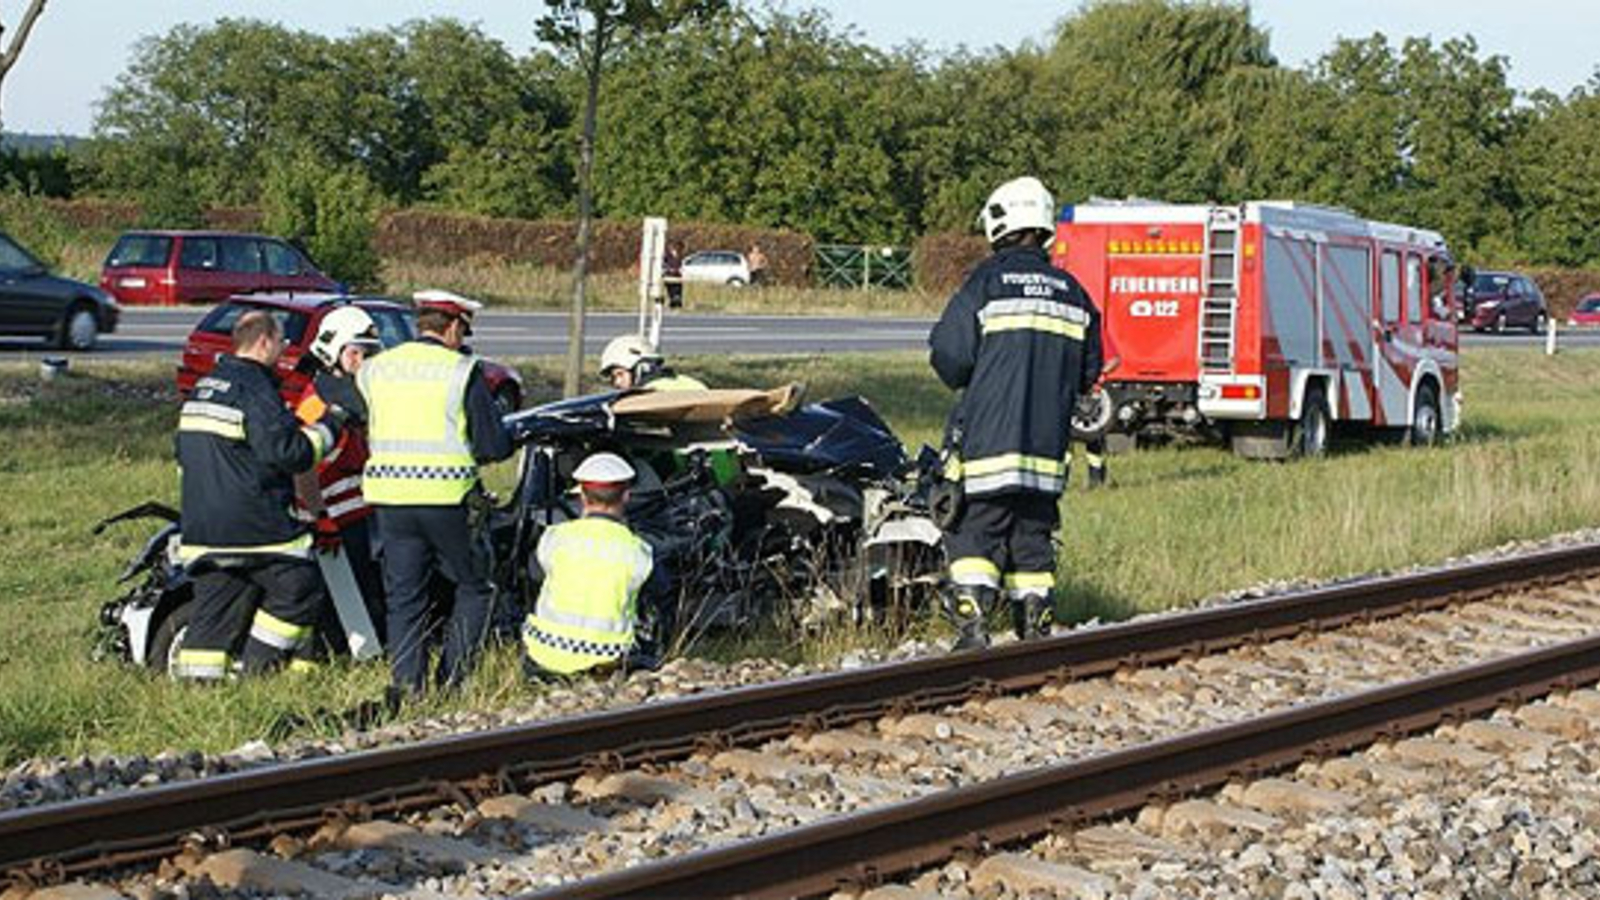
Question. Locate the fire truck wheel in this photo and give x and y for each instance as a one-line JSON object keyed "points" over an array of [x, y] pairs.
{"points": [[1424, 430], [1310, 437]]}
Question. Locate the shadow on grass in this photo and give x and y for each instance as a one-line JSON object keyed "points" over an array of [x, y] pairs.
{"points": [[1081, 602]]}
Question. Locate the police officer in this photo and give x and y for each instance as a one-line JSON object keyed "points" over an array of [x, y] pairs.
{"points": [[593, 570], [630, 361], [345, 338], [431, 422], [238, 448], [1020, 340]]}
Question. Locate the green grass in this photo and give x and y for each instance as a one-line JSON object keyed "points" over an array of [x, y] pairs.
{"points": [[1181, 523]]}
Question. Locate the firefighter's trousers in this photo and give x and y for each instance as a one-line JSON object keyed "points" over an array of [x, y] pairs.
{"points": [[1006, 541], [416, 540], [278, 600]]}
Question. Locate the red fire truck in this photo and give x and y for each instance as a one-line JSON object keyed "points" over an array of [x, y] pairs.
{"points": [[1268, 323]]}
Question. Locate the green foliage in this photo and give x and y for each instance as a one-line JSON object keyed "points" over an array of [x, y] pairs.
{"points": [[331, 210], [30, 221], [758, 115]]}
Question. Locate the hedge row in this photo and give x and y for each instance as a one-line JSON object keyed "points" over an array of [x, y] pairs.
{"points": [[110, 215], [440, 237], [942, 260], [1562, 288]]}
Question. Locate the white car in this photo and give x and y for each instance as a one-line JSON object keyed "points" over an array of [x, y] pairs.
{"points": [[717, 267]]}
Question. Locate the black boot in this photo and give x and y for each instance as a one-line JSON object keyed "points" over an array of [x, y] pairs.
{"points": [[1033, 616], [967, 607], [1097, 477]]}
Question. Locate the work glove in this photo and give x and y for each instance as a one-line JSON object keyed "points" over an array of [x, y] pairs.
{"points": [[325, 537]]}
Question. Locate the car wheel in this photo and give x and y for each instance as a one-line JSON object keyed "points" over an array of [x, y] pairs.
{"points": [[1539, 323], [168, 639], [506, 400], [1427, 423], [79, 330], [1500, 324], [735, 281], [1311, 433]]}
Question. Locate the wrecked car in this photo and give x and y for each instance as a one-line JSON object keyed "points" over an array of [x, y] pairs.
{"points": [[761, 508]]}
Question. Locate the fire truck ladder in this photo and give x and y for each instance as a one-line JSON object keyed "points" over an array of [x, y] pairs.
{"points": [[1221, 296]]}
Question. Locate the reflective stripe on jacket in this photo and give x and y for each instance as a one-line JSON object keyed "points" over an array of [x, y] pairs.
{"points": [[584, 617], [238, 448], [339, 473], [417, 426], [1020, 340]]}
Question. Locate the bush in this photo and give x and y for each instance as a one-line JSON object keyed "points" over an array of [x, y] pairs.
{"points": [[331, 211], [34, 223], [942, 260]]}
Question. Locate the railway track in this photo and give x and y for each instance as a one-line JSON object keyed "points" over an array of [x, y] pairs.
{"points": [[931, 723]]}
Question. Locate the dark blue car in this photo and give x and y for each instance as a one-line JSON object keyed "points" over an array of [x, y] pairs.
{"points": [[34, 303]]}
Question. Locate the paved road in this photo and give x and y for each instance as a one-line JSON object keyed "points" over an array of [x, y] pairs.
{"points": [[507, 334]]}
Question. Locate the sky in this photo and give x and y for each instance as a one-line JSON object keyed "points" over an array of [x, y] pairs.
{"points": [[80, 46]]}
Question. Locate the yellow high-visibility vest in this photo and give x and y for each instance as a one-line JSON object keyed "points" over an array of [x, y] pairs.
{"points": [[675, 383], [417, 426], [584, 617]]}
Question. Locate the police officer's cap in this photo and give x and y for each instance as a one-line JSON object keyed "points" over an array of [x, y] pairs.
{"points": [[603, 468], [447, 301]]}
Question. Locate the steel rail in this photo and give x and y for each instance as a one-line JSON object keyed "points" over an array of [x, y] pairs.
{"points": [[861, 850], [117, 829]]}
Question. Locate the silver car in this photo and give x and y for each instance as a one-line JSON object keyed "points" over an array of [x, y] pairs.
{"points": [[717, 267]]}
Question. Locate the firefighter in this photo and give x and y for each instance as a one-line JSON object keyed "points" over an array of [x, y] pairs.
{"points": [[1020, 340], [431, 422], [238, 449], [345, 338], [593, 569], [630, 361]]}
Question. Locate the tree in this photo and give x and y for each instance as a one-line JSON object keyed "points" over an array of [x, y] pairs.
{"points": [[589, 30], [13, 49]]}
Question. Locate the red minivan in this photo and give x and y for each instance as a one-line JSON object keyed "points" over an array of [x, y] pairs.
{"points": [[168, 268]]}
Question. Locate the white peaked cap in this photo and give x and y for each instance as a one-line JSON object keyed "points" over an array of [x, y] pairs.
{"points": [[603, 468]]}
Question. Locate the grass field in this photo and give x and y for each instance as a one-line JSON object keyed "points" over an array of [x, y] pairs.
{"points": [[1180, 524]]}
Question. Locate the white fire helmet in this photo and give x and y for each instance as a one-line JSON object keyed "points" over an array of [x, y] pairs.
{"points": [[1021, 204], [340, 328], [603, 468], [627, 352]]}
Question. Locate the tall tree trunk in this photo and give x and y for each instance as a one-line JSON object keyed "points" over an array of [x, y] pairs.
{"points": [[580, 269]]}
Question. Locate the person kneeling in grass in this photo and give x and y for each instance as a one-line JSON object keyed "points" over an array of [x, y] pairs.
{"points": [[594, 570]]}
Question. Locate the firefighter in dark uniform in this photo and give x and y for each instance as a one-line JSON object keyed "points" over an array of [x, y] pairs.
{"points": [[430, 422], [239, 449], [1020, 341]]}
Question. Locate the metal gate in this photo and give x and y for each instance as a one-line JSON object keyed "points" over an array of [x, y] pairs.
{"points": [[863, 267]]}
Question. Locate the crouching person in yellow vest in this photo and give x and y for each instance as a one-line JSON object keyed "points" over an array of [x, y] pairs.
{"points": [[594, 569]]}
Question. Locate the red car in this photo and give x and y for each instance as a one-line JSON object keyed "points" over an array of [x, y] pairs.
{"points": [[1587, 312], [299, 315], [166, 268]]}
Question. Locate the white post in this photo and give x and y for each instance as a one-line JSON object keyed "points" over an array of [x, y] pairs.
{"points": [[1550, 338], [652, 290]]}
